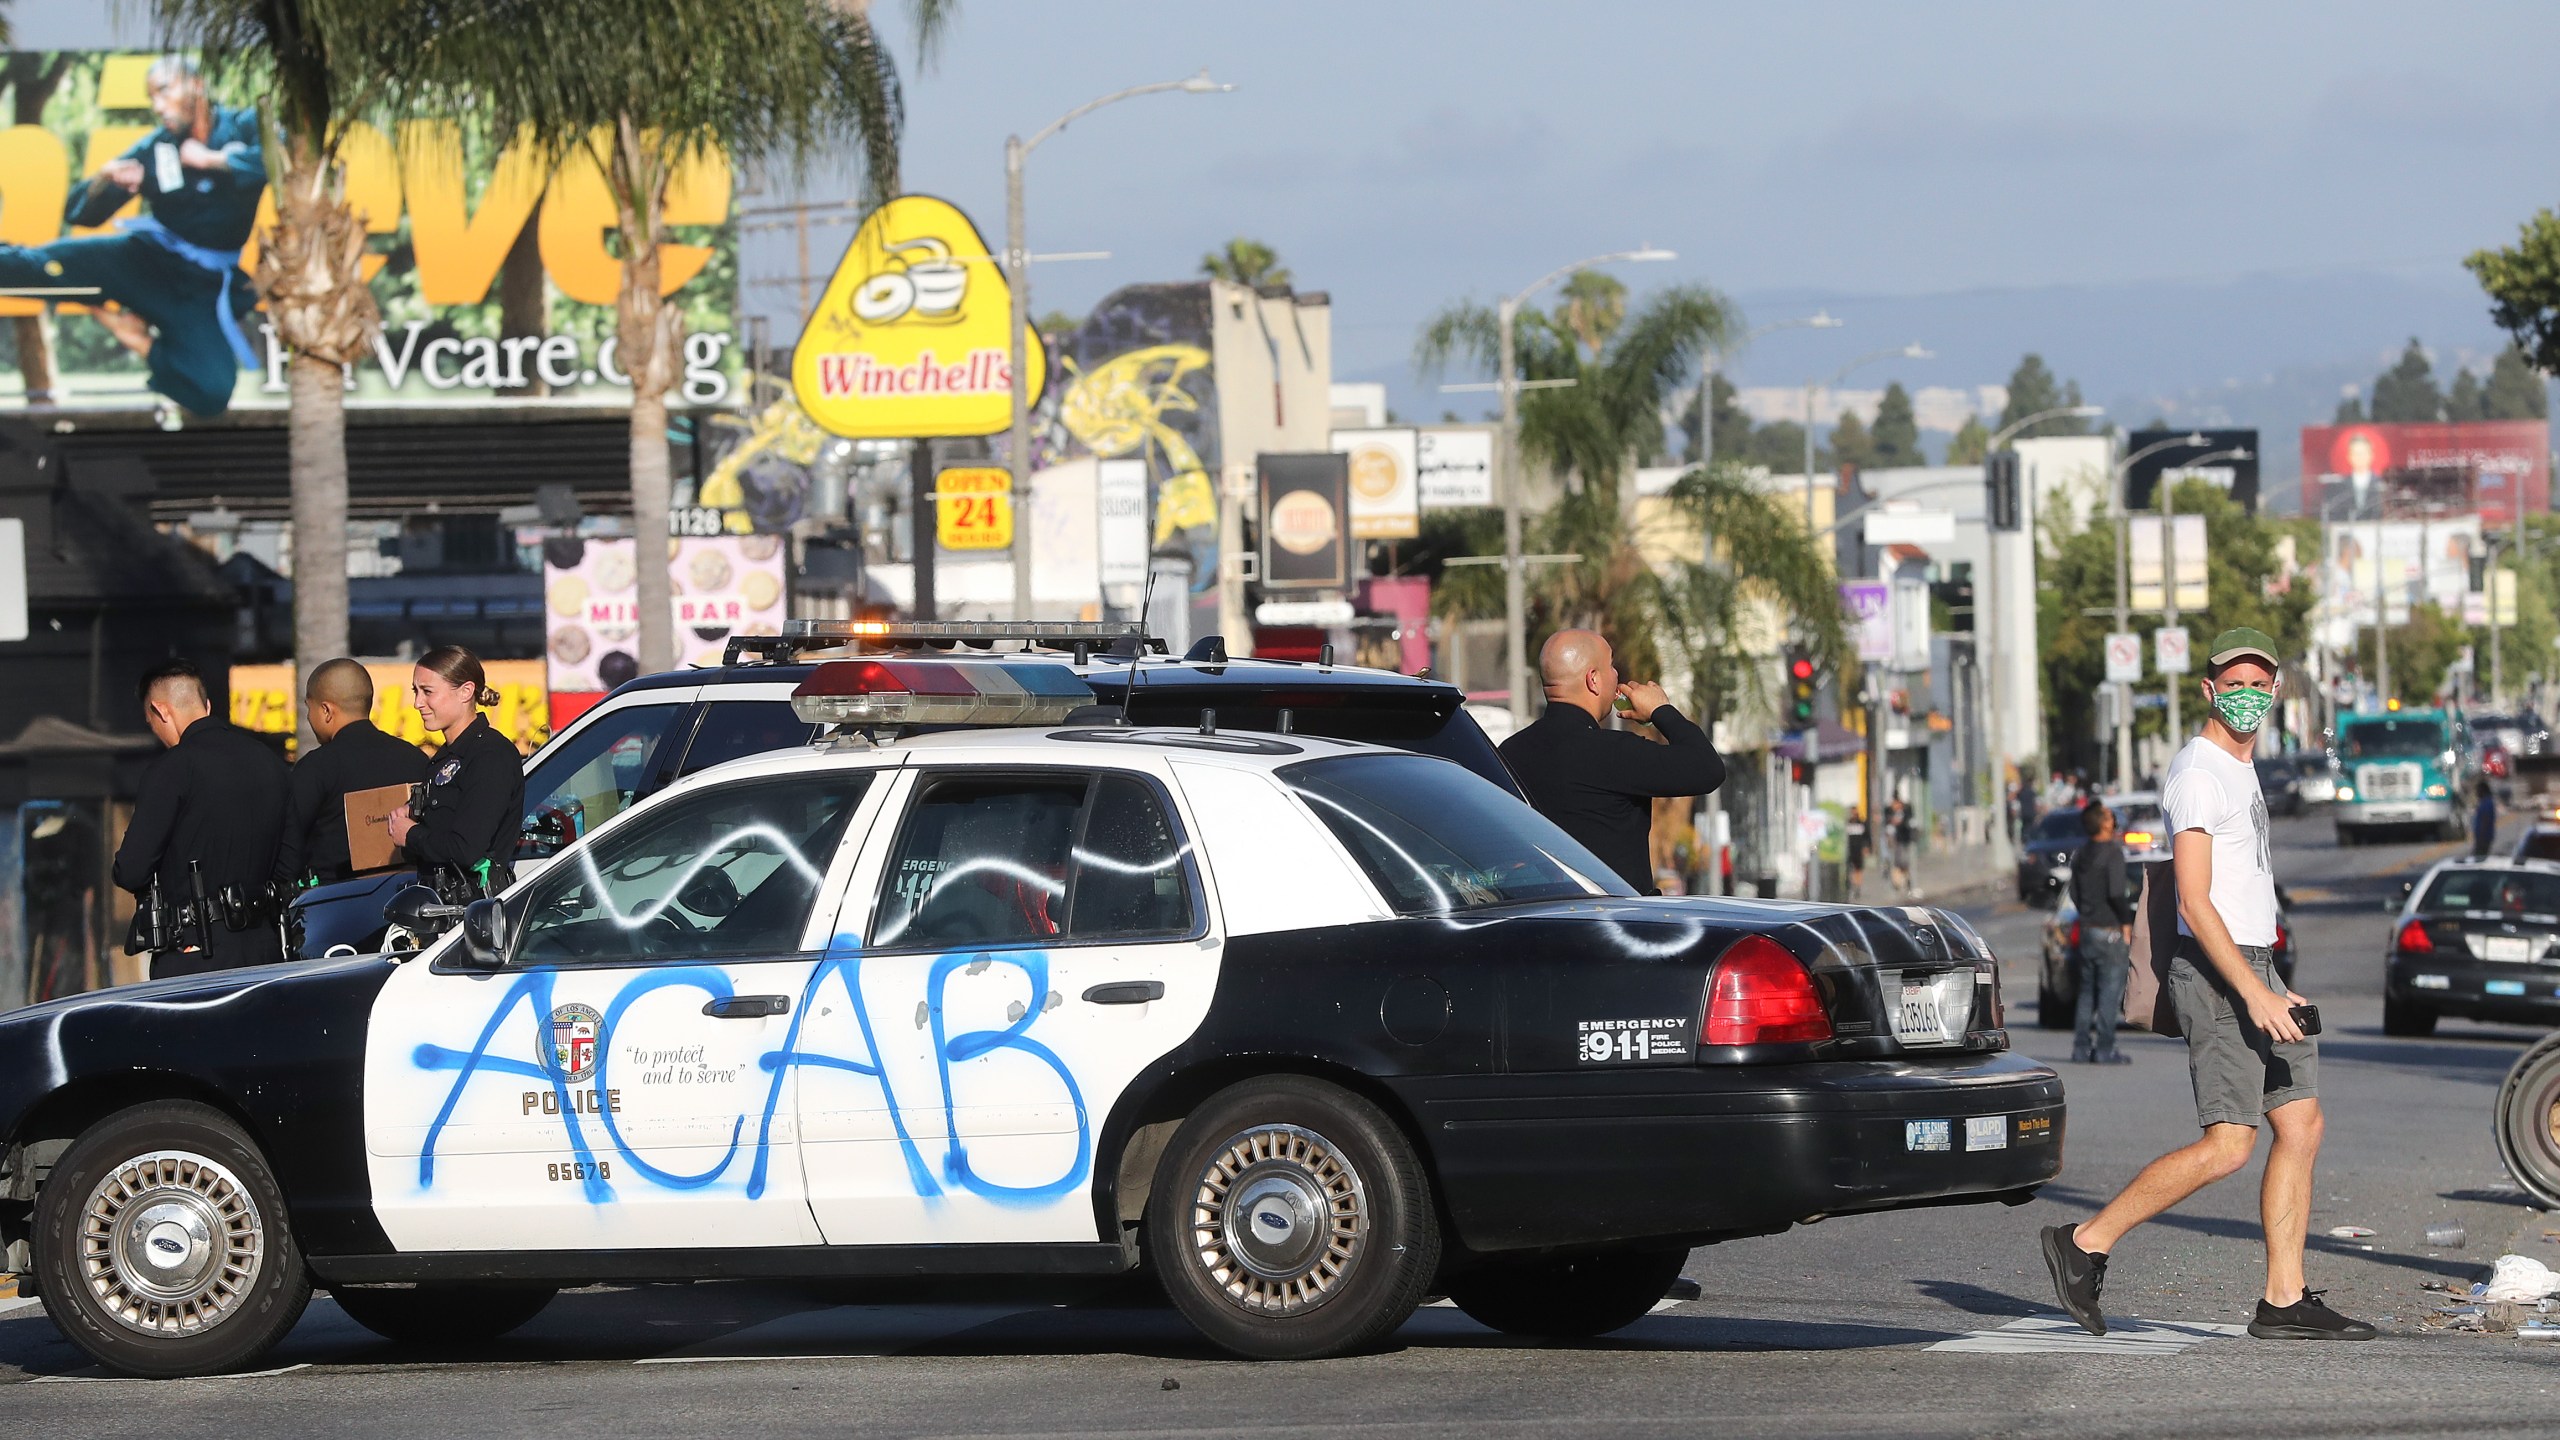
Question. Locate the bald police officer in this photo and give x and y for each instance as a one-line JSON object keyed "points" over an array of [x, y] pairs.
{"points": [[352, 755], [206, 827]]}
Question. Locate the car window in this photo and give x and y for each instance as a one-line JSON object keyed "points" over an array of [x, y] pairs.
{"points": [[2061, 825], [1411, 725], [2539, 845], [731, 871], [734, 729], [1436, 838], [1129, 874], [982, 860], [595, 775], [2508, 892]]}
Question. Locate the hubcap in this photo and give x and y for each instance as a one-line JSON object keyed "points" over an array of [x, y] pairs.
{"points": [[1279, 1219], [170, 1243]]}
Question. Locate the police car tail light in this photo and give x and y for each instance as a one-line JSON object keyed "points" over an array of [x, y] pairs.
{"points": [[934, 692], [2413, 938], [1761, 994]]}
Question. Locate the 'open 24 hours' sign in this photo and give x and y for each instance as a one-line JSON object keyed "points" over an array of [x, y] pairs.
{"points": [[973, 508]]}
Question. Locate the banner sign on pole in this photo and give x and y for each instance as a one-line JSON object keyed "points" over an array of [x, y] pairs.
{"points": [[1870, 606], [1120, 495]]}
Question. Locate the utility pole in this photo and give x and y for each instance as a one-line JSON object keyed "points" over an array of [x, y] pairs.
{"points": [[2124, 626], [2169, 599], [2381, 623]]}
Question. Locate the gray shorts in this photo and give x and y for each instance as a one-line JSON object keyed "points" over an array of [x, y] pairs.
{"points": [[2239, 1073]]}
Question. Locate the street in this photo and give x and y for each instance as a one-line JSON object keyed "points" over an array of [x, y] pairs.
{"points": [[1925, 1323]]}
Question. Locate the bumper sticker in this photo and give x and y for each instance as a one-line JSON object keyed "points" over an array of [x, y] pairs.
{"points": [[2032, 1128], [1624, 1042], [1986, 1132], [1926, 1135]]}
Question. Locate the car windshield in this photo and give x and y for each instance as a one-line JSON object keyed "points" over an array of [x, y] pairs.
{"points": [[2506, 892], [1437, 838], [2377, 739], [2061, 825]]}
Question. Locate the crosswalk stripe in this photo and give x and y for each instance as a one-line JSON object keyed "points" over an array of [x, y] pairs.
{"points": [[2057, 1335]]}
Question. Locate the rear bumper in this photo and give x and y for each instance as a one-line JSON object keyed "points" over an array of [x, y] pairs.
{"points": [[2477, 989], [1712, 1152]]}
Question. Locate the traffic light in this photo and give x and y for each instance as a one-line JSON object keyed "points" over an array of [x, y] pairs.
{"points": [[1800, 690], [2000, 490], [1956, 593]]}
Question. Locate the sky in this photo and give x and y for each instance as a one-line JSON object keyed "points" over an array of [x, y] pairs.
{"points": [[2183, 205]]}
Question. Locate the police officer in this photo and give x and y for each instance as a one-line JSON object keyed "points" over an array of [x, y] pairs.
{"points": [[463, 835], [206, 827], [352, 755]]}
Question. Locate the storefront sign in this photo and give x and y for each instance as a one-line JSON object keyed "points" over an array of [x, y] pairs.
{"points": [[1385, 498], [722, 586], [973, 508], [1454, 468], [1305, 544], [263, 699]]}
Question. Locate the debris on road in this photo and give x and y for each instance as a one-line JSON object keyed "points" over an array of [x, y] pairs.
{"points": [[2521, 1278], [2447, 1237], [2349, 1232]]}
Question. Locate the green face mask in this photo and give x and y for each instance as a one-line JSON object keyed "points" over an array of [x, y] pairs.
{"points": [[2242, 708]]}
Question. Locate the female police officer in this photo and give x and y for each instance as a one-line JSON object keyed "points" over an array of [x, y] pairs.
{"points": [[463, 835]]}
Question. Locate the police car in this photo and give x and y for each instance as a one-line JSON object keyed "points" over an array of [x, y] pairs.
{"points": [[1307, 1027], [658, 729]]}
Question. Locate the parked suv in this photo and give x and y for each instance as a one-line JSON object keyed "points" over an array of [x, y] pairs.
{"points": [[655, 730]]}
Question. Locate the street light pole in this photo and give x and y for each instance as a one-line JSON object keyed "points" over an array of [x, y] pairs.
{"points": [[1515, 594], [1018, 280], [1912, 351]]}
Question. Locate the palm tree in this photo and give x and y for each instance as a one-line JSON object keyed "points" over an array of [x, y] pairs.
{"points": [[1720, 617], [1249, 263], [644, 90], [315, 65]]}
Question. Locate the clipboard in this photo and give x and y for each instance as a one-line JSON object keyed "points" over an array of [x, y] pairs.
{"points": [[369, 844]]}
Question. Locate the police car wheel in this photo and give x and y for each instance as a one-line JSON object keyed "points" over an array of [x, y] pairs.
{"points": [[1290, 1220], [163, 1246], [1567, 1299], [2528, 1122], [442, 1314]]}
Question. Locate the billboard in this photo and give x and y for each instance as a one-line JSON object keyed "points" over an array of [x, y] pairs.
{"points": [[2144, 560], [911, 339], [2237, 474], [723, 585], [495, 274], [2393, 564], [2498, 469]]}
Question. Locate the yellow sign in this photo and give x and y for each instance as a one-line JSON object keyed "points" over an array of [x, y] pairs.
{"points": [[974, 509], [910, 340], [263, 699]]}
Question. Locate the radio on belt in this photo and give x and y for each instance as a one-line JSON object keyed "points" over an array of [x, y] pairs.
{"points": [[890, 693]]}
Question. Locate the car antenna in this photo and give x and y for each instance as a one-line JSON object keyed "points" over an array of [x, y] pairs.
{"points": [[1146, 607]]}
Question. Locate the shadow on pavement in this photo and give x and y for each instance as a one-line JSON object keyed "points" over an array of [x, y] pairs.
{"points": [[1975, 1300]]}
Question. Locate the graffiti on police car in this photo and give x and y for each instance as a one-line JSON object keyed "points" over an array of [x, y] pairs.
{"points": [[589, 1106]]}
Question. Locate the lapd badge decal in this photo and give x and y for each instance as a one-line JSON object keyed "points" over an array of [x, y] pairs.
{"points": [[577, 1037]]}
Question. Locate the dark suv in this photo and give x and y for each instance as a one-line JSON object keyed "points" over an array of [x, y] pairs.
{"points": [[654, 730]]}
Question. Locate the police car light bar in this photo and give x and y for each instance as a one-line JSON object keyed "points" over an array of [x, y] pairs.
{"points": [[860, 635], [933, 692]]}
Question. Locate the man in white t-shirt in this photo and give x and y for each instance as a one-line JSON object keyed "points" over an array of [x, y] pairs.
{"points": [[2245, 1046]]}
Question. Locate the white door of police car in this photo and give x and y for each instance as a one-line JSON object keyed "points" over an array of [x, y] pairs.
{"points": [[1011, 952], [613, 1087]]}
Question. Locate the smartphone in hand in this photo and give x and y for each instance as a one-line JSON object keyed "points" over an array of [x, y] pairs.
{"points": [[2306, 1018]]}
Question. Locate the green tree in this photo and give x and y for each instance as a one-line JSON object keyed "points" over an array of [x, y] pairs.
{"points": [[1897, 430], [2463, 399], [2032, 391], [1594, 306], [314, 66], [2350, 409], [1057, 323], [2406, 392], [1971, 443], [2514, 391], [2422, 652], [1733, 424], [2523, 284], [1777, 447], [1850, 444], [1760, 557], [1245, 262], [1587, 432], [641, 91]]}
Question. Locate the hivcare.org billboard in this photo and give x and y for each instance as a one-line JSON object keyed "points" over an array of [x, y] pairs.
{"points": [[494, 273], [2497, 469]]}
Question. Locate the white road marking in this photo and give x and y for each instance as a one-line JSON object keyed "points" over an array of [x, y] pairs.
{"points": [[136, 1380], [2059, 1335], [842, 1332]]}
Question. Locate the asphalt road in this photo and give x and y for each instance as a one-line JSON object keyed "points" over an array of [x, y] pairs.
{"points": [[1937, 1322]]}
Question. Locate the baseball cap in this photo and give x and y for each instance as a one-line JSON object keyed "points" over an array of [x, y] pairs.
{"points": [[2239, 642]]}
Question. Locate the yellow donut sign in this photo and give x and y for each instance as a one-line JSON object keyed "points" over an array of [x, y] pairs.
{"points": [[909, 342]]}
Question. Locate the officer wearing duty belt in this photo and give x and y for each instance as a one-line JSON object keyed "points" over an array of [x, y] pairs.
{"points": [[464, 829], [203, 838]]}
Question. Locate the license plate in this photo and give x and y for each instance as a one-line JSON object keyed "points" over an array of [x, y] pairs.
{"points": [[2505, 947], [1931, 1010], [2505, 987]]}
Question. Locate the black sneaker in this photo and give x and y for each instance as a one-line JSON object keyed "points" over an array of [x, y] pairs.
{"points": [[2077, 1277], [2308, 1318]]}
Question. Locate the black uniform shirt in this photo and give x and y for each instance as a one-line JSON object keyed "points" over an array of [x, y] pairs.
{"points": [[217, 798], [475, 804], [1598, 784], [358, 757]]}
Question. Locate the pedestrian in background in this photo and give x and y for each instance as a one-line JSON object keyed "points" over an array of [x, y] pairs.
{"points": [[1856, 844], [2246, 1051], [352, 755], [1902, 841], [2484, 822], [1599, 784], [205, 828], [2104, 896]]}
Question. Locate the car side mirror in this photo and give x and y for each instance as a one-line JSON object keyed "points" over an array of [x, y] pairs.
{"points": [[488, 936], [420, 911]]}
